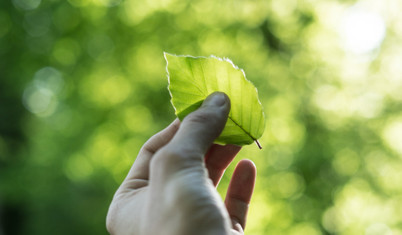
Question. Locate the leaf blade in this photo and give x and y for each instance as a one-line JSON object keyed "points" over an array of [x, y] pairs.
{"points": [[192, 79]]}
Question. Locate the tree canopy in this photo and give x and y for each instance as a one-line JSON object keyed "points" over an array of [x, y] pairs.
{"points": [[83, 85]]}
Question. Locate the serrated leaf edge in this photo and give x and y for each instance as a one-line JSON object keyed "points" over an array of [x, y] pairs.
{"points": [[221, 59]]}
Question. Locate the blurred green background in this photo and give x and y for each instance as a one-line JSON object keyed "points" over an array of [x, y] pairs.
{"points": [[83, 86]]}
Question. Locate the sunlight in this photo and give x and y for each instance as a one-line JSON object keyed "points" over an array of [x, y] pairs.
{"points": [[362, 31]]}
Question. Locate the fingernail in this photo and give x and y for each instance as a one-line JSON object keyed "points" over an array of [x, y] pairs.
{"points": [[216, 99]]}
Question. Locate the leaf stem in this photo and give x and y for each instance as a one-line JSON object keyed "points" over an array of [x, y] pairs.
{"points": [[258, 144]]}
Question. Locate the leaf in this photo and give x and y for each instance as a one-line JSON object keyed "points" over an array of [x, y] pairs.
{"points": [[192, 79]]}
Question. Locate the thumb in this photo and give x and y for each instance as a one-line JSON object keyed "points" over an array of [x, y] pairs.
{"points": [[199, 129], [195, 135], [178, 173]]}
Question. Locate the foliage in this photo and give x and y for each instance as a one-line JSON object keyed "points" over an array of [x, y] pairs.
{"points": [[83, 85], [192, 79]]}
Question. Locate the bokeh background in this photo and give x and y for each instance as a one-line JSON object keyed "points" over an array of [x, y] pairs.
{"points": [[83, 86]]}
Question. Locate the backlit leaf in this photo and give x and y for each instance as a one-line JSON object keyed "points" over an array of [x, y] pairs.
{"points": [[192, 79]]}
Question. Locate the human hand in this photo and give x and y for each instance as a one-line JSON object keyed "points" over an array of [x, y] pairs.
{"points": [[170, 188]]}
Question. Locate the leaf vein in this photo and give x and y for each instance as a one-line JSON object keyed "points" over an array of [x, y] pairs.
{"points": [[242, 129], [192, 74]]}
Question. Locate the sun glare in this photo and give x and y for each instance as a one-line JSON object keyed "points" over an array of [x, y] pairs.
{"points": [[362, 31]]}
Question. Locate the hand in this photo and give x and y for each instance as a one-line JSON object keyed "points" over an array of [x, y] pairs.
{"points": [[170, 188]]}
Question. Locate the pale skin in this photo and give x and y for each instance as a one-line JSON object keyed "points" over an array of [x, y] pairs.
{"points": [[171, 187]]}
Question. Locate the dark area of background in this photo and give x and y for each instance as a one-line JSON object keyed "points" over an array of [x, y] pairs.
{"points": [[83, 86]]}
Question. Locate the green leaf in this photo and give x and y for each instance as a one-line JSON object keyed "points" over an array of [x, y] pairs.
{"points": [[192, 79]]}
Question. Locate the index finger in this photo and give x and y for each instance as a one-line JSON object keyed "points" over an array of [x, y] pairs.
{"points": [[218, 159]]}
